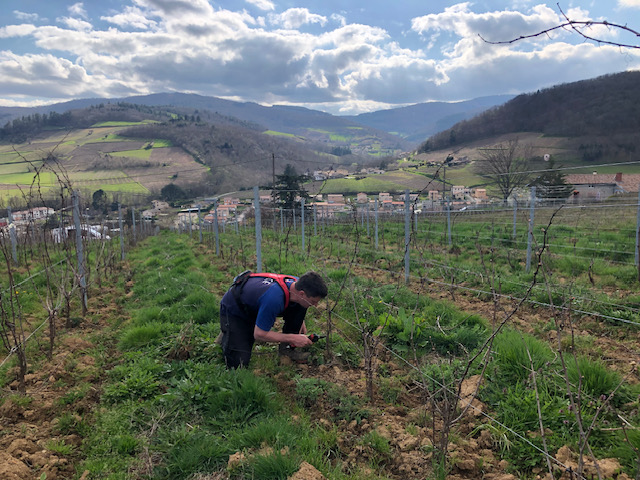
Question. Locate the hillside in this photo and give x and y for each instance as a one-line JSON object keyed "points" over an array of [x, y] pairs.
{"points": [[312, 125], [397, 129], [133, 149], [598, 118], [415, 123]]}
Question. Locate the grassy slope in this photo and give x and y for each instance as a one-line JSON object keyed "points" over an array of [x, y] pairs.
{"points": [[77, 167], [169, 409]]}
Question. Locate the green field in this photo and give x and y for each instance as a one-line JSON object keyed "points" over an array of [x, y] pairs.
{"points": [[122, 124], [352, 186], [278, 134], [142, 153]]}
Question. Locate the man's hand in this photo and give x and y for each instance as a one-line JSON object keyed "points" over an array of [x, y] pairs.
{"points": [[300, 340]]}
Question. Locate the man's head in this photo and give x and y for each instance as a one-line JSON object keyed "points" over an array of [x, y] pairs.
{"points": [[312, 285]]}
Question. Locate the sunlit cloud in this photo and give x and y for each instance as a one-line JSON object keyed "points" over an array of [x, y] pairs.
{"points": [[26, 17], [77, 9], [265, 5]]}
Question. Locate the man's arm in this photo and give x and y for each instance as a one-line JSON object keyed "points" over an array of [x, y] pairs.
{"points": [[295, 339]]}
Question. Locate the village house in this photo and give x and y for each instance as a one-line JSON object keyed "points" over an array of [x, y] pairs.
{"points": [[335, 198], [385, 197], [372, 171], [480, 194], [460, 192], [435, 195], [186, 216], [157, 207], [362, 198], [36, 213], [599, 186], [339, 172], [329, 210], [319, 175]]}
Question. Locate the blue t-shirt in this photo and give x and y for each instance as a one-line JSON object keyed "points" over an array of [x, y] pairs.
{"points": [[264, 301]]}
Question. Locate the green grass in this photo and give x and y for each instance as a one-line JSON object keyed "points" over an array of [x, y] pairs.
{"points": [[122, 124], [278, 134], [334, 137], [170, 395], [353, 186], [142, 153]]}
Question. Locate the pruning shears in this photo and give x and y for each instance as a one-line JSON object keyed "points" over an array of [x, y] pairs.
{"points": [[314, 337]]}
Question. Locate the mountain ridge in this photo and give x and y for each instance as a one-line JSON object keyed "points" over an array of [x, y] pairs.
{"points": [[420, 120]]}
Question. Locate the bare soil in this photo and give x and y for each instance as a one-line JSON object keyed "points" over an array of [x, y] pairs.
{"points": [[30, 430]]}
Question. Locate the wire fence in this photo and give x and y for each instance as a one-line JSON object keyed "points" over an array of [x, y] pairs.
{"points": [[425, 247]]}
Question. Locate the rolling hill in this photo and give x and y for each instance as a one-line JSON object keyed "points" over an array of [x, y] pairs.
{"points": [[598, 120], [417, 122]]}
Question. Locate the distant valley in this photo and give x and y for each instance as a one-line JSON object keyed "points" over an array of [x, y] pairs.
{"points": [[209, 146]]}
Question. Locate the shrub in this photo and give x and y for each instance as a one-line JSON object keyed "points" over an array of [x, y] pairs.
{"points": [[136, 337], [277, 466], [596, 379], [512, 359]]}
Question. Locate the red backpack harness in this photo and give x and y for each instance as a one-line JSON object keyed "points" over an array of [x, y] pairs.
{"points": [[240, 280]]}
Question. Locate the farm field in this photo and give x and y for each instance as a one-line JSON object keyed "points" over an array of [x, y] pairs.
{"points": [[475, 368], [92, 159]]}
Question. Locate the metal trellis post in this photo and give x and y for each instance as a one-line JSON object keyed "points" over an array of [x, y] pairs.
{"points": [[304, 245], [79, 251], [407, 234], [13, 237], [199, 223], [133, 224], [375, 209], [121, 232], [215, 227], [256, 201], [448, 221], [531, 217], [315, 220]]}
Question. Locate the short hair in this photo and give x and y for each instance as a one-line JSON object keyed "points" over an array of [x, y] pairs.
{"points": [[312, 284]]}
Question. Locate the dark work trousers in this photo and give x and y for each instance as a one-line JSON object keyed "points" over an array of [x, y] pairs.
{"points": [[237, 339], [237, 334]]}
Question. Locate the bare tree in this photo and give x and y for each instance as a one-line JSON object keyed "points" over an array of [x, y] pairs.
{"points": [[580, 27], [506, 166]]}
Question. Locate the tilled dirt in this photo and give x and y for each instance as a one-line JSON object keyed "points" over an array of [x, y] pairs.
{"points": [[30, 430]]}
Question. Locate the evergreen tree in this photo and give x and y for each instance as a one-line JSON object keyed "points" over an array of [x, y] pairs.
{"points": [[172, 193], [551, 184], [99, 202], [289, 188]]}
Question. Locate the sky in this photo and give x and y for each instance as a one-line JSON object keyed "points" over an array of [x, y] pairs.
{"points": [[339, 56]]}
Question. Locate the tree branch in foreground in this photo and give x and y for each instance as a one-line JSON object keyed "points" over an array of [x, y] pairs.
{"points": [[577, 26]]}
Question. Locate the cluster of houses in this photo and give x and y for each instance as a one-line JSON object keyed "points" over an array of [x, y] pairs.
{"points": [[24, 217], [586, 188], [592, 187], [20, 221]]}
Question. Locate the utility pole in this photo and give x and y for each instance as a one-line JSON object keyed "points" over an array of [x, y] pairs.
{"points": [[273, 169]]}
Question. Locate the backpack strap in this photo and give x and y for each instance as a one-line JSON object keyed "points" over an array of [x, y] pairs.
{"points": [[280, 279], [240, 280]]}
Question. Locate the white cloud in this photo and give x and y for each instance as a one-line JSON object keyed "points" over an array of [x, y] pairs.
{"points": [[262, 4], [17, 30], [295, 18], [493, 26], [629, 3], [339, 19], [27, 17], [176, 7], [132, 17], [75, 23], [77, 9], [187, 45]]}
